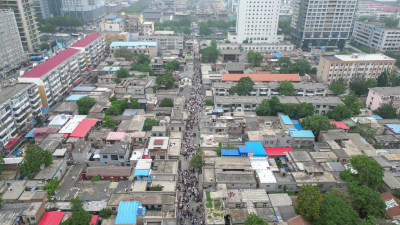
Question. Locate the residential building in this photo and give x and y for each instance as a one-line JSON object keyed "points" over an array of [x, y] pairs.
{"points": [[257, 21], [158, 147], [148, 48], [116, 154], [26, 22], [376, 10], [49, 8], [154, 15], [346, 66], [88, 10], [111, 37], [377, 36], [113, 24], [257, 47], [55, 76], [322, 24], [92, 47], [380, 96], [11, 50], [148, 28], [164, 42], [133, 23], [19, 104]]}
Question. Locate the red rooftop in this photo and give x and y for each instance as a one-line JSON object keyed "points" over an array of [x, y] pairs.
{"points": [[86, 41]]}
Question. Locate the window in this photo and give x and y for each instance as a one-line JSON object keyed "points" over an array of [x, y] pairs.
{"points": [[113, 208], [121, 156], [114, 157], [105, 156]]}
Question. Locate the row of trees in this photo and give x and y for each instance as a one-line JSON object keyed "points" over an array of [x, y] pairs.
{"points": [[119, 106], [359, 204], [254, 58], [135, 7], [300, 66], [270, 107], [181, 26], [210, 54], [50, 25]]}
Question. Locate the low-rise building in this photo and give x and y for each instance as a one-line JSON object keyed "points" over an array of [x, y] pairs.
{"points": [[380, 96], [158, 147], [164, 42], [117, 154], [147, 48], [257, 47]]}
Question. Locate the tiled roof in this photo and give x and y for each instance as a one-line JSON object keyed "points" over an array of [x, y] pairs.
{"points": [[340, 125], [262, 77], [50, 64]]}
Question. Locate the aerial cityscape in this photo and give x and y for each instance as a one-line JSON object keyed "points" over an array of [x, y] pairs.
{"points": [[199, 112]]}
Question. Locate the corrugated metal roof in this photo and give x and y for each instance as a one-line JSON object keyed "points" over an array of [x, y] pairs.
{"points": [[128, 211], [395, 128], [230, 152], [51, 218], [116, 136], [301, 133], [277, 151], [83, 127], [258, 148], [286, 120], [340, 125], [142, 172], [74, 98]]}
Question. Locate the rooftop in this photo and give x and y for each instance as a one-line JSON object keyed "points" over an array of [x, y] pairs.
{"points": [[133, 44], [108, 171], [50, 64], [52, 218], [8, 92], [86, 41], [363, 57], [83, 128], [386, 91], [263, 77]]}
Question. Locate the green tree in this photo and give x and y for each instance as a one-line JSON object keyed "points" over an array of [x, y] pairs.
{"points": [[285, 26], [383, 79], [339, 112], [341, 193], [117, 107], [367, 202], [85, 104], [387, 112], [165, 81], [348, 176], [396, 193], [391, 22], [34, 157], [316, 123], [135, 7], [351, 101], [255, 58], [149, 123], [360, 85], [218, 150], [117, 80], [51, 187], [105, 213], [167, 102], [243, 87], [187, 30], [284, 62], [172, 66], [44, 46], [125, 53], [197, 161], [301, 66], [123, 73], [263, 109], [309, 202], [96, 178], [76, 204], [338, 86], [365, 131], [253, 219], [335, 211], [286, 88], [134, 103], [209, 102], [1, 164], [275, 105], [369, 172], [297, 111], [209, 54], [205, 30], [371, 82], [108, 122], [80, 217]]}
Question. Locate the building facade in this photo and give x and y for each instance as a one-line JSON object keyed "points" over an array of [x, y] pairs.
{"points": [[376, 36], [380, 96], [26, 22], [148, 48], [19, 104], [322, 23], [88, 10], [257, 21], [164, 42], [93, 47], [257, 47], [11, 50], [346, 66]]}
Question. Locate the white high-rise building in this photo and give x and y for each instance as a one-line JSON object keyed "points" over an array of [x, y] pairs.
{"points": [[257, 21]]}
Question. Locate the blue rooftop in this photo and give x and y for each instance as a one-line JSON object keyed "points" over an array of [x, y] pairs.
{"points": [[363, 141], [395, 128], [276, 54], [258, 148], [298, 126], [30, 134], [230, 152], [133, 44], [301, 133], [286, 120], [111, 68], [128, 211], [378, 117], [142, 172], [111, 17], [74, 98], [132, 112], [217, 111], [245, 150]]}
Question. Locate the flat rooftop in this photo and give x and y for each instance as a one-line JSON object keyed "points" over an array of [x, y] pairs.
{"points": [[363, 57], [10, 91]]}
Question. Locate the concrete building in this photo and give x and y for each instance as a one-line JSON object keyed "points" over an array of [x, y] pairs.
{"points": [[50, 8], [11, 50], [164, 42], [92, 48], [322, 24], [133, 23], [55, 76], [88, 10], [117, 154], [111, 37], [346, 66], [19, 104], [148, 28], [148, 48], [113, 24], [26, 22], [376, 36], [257, 21], [380, 96]]}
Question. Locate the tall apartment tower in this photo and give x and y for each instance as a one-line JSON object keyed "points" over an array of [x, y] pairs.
{"points": [[322, 23], [11, 50], [26, 22], [257, 21]]}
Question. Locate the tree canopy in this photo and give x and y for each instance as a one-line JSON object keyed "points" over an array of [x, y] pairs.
{"points": [[79, 215], [335, 211], [178, 26], [387, 112], [253, 219], [359, 84], [205, 30], [286, 88], [196, 161], [340, 112], [125, 53], [301, 66], [117, 107], [388, 79], [298, 111], [285, 26], [149, 123], [1, 164], [164, 81], [135, 7], [209, 54], [44, 46], [367, 202], [316, 123], [391, 22], [209, 102], [167, 102], [123, 73], [351, 101], [243, 87], [85, 104], [34, 157], [108, 122], [338, 86], [255, 58], [105, 213], [51, 187], [369, 172], [309, 202], [172, 66]]}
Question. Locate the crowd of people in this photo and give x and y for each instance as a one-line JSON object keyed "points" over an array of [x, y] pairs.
{"points": [[189, 178]]}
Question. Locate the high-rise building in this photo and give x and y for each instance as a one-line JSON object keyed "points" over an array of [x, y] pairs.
{"points": [[88, 10], [11, 50], [26, 22], [47, 8], [322, 23], [257, 21]]}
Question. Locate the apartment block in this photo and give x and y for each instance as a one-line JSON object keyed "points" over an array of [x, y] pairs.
{"points": [[380, 96], [93, 47], [26, 22], [164, 42], [55, 76], [376, 36], [111, 37], [133, 23], [257, 21], [11, 50], [148, 28], [346, 66], [322, 23], [257, 47], [113, 23], [148, 48], [88, 10], [19, 104]]}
